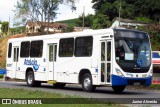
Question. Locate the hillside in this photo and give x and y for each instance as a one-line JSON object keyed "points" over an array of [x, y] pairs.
{"points": [[70, 22], [3, 48]]}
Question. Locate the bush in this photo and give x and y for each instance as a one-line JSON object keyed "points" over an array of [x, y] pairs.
{"points": [[69, 29], [1, 76]]}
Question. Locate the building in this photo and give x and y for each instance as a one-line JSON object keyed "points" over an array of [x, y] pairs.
{"points": [[127, 23], [33, 27]]}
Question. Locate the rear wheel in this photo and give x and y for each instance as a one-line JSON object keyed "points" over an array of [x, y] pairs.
{"points": [[87, 84], [59, 85], [118, 89], [31, 80]]}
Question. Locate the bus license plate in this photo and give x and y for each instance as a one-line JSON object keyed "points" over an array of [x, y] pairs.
{"points": [[137, 83]]}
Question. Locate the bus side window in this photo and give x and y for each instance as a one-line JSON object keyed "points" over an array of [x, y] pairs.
{"points": [[9, 50], [83, 46], [36, 48], [25, 46], [66, 47], [55, 52], [51, 53]]}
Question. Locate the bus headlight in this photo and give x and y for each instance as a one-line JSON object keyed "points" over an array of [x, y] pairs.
{"points": [[119, 73]]}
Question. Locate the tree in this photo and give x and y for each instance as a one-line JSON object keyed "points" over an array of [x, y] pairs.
{"points": [[98, 21], [39, 10], [4, 27], [129, 8], [101, 21], [87, 20], [154, 32]]}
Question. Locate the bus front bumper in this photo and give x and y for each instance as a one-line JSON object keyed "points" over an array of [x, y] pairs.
{"points": [[119, 81]]}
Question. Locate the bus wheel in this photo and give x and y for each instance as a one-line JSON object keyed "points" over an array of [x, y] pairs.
{"points": [[118, 89], [59, 85], [87, 83], [30, 79]]}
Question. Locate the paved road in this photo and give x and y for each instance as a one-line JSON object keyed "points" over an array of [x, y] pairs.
{"points": [[76, 90], [101, 92]]}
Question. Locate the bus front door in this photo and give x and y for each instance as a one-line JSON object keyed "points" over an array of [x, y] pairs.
{"points": [[52, 59], [15, 60], [106, 61]]}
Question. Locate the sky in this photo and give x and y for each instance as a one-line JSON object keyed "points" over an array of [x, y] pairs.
{"points": [[7, 7]]}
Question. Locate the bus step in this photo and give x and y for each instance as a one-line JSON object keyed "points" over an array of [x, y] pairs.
{"points": [[51, 82]]}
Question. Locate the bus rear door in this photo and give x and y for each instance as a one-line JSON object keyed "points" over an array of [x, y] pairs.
{"points": [[52, 59], [15, 60]]}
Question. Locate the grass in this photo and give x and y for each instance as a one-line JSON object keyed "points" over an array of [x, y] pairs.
{"points": [[155, 86], [1, 76], [23, 93]]}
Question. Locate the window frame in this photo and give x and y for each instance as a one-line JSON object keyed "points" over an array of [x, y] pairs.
{"points": [[76, 46], [9, 50], [40, 49], [60, 43], [28, 49]]}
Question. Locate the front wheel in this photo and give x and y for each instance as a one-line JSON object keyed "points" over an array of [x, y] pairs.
{"points": [[118, 89], [87, 84]]}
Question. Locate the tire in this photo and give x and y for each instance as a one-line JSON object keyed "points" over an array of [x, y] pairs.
{"points": [[87, 83], [59, 85], [118, 89], [31, 81]]}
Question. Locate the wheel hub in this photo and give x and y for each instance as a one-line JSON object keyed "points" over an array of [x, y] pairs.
{"points": [[87, 82], [30, 79]]}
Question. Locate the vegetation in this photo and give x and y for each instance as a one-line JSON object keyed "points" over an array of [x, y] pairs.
{"points": [[94, 21], [1, 76], [39, 10], [70, 22], [108, 10], [17, 30], [130, 9], [154, 31], [155, 86], [69, 29], [23, 93], [101, 21], [4, 27], [88, 21]]}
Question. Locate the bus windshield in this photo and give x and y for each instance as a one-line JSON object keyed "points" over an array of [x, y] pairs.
{"points": [[132, 49]]}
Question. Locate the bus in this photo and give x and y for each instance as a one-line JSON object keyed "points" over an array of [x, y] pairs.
{"points": [[91, 58]]}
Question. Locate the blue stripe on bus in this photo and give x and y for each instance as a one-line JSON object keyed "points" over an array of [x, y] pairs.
{"points": [[117, 80]]}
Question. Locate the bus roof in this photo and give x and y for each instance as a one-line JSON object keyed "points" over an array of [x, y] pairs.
{"points": [[64, 35]]}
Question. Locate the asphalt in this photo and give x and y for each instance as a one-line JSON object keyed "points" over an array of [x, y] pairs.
{"points": [[76, 90], [103, 93]]}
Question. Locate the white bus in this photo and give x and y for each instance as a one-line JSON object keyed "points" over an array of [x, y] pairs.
{"points": [[106, 57]]}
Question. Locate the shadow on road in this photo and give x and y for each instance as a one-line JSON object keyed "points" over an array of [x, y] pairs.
{"points": [[78, 88]]}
